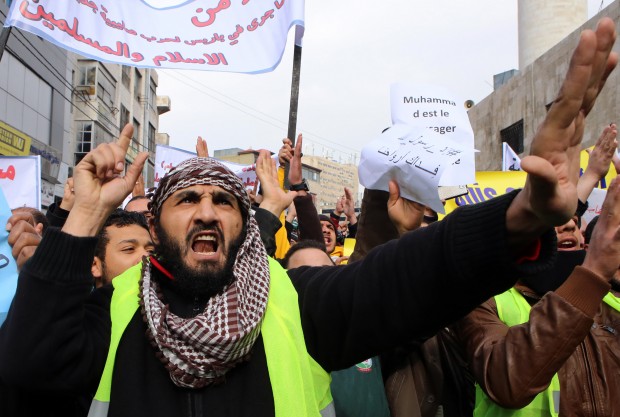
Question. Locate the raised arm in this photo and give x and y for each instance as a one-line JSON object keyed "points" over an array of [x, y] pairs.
{"points": [[65, 341], [549, 197], [307, 216], [599, 162], [274, 201], [99, 186]]}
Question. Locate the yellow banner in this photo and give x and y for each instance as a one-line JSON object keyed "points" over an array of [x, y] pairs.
{"points": [[13, 142], [490, 184]]}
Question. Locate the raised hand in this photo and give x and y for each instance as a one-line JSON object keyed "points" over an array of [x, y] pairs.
{"points": [[599, 162], [603, 255], [68, 196], [286, 152], [275, 199], [24, 236], [99, 186], [294, 172], [406, 215], [202, 150], [549, 197], [348, 206]]}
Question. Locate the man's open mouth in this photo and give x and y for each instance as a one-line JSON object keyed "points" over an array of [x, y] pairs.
{"points": [[205, 244], [568, 243]]}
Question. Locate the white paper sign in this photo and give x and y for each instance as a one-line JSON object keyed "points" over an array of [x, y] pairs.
{"points": [[225, 35], [20, 180], [595, 204], [413, 156], [440, 111], [510, 159]]}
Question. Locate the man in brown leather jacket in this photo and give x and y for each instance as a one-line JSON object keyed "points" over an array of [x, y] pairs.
{"points": [[573, 331]]}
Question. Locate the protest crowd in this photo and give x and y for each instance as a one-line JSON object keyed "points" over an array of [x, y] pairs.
{"points": [[202, 298]]}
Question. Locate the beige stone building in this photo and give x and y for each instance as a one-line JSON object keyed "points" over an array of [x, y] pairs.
{"points": [[515, 109], [329, 183]]}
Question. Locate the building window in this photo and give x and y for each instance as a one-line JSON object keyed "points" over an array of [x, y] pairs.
{"points": [[513, 136], [310, 174], [153, 95], [124, 116], [87, 75], [126, 77], [106, 87], [151, 139], [137, 84], [84, 139], [135, 141]]}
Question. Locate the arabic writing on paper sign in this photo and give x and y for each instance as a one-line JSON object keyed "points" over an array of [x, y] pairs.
{"points": [[414, 151]]}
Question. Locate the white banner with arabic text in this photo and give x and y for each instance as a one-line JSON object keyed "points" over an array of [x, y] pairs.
{"points": [[246, 36]]}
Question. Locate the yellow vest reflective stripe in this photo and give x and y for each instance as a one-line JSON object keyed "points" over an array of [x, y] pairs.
{"points": [[513, 310], [300, 386], [612, 301]]}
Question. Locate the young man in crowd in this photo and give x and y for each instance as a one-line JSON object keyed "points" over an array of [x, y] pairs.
{"points": [[122, 242], [213, 327]]}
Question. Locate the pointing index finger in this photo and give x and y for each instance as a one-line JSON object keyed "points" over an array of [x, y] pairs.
{"points": [[125, 137]]}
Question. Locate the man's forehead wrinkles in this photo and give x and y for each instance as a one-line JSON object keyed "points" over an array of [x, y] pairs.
{"points": [[200, 190]]}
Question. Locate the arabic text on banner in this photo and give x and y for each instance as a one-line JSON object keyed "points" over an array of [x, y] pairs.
{"points": [[229, 35]]}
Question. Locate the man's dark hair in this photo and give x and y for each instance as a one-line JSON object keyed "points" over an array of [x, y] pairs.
{"points": [[303, 244], [118, 218], [136, 198], [37, 215], [589, 229]]}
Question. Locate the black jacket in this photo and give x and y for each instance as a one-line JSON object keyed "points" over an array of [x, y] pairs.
{"points": [[57, 332]]}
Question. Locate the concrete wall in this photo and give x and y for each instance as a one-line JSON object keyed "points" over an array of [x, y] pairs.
{"points": [[525, 96]]}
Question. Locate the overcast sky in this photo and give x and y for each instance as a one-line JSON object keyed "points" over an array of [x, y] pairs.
{"points": [[351, 55]]}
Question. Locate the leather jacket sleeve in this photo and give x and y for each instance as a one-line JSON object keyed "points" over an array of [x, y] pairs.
{"points": [[514, 364]]}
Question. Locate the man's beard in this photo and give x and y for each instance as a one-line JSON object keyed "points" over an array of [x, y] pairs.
{"points": [[204, 281]]}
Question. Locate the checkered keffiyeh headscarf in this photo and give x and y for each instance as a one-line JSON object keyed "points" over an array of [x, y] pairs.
{"points": [[199, 351]]}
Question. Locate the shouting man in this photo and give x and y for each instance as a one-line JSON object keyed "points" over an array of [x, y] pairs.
{"points": [[211, 326]]}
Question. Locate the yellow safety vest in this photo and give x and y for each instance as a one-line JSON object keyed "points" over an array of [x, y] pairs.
{"points": [[513, 310], [300, 386]]}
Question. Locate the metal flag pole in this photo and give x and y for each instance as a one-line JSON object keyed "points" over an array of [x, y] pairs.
{"points": [[292, 112]]}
